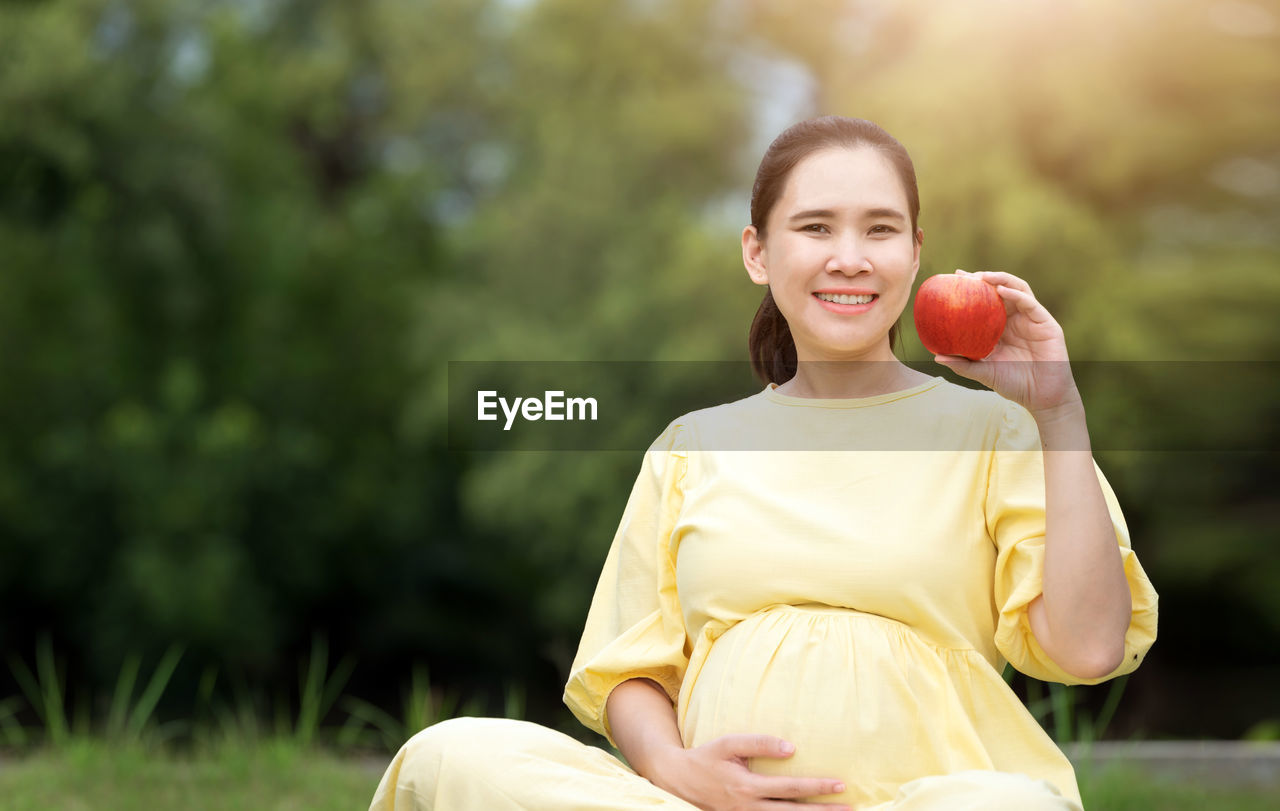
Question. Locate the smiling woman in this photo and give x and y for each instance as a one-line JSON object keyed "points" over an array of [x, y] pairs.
{"points": [[839, 255], [788, 628], [834, 198]]}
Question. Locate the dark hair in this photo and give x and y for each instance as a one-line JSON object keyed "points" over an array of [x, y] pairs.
{"points": [[773, 350]]}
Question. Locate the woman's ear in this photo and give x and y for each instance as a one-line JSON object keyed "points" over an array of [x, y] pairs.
{"points": [[753, 255], [915, 260]]}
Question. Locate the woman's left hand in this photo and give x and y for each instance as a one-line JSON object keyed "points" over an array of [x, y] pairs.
{"points": [[1029, 364]]}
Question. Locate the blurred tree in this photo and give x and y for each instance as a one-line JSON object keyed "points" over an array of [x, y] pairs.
{"points": [[1123, 159], [210, 248], [239, 242], [583, 234]]}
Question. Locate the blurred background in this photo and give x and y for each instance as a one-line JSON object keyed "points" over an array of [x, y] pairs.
{"points": [[241, 239]]}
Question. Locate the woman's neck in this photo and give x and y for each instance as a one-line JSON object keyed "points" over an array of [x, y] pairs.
{"points": [[842, 380]]}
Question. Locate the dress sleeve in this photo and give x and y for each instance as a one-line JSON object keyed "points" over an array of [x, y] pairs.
{"points": [[1015, 509], [634, 628]]}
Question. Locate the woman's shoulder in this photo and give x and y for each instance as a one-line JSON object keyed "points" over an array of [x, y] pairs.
{"points": [[707, 428], [975, 399], [1002, 424]]}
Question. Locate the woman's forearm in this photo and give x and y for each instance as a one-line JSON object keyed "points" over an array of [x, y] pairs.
{"points": [[1081, 618], [643, 723]]}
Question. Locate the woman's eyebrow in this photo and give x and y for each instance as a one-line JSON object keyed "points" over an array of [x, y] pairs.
{"points": [[812, 214], [870, 214], [884, 213]]}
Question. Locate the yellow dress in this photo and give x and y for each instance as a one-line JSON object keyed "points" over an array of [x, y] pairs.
{"points": [[850, 575], [860, 602]]}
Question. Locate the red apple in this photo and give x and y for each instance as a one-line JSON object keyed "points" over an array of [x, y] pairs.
{"points": [[958, 315]]}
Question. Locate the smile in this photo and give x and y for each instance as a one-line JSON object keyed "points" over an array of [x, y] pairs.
{"points": [[841, 299]]}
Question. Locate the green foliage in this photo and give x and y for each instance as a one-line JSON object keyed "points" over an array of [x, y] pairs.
{"points": [[96, 774], [1125, 788], [422, 706], [45, 691], [127, 719], [1065, 713], [239, 242], [1122, 161], [318, 690], [302, 721]]}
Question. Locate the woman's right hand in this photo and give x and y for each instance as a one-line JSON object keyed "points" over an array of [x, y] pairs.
{"points": [[716, 776]]}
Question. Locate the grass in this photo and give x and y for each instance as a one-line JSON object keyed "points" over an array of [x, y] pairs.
{"points": [[276, 775], [225, 757], [270, 775], [1123, 788]]}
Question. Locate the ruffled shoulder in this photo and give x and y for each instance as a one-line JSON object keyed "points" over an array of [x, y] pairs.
{"points": [[635, 628], [1015, 509]]}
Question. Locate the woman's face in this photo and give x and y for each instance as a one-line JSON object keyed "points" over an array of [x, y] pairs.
{"points": [[841, 226]]}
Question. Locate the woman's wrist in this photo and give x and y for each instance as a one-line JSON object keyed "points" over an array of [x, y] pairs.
{"points": [[643, 723], [664, 767], [1064, 426]]}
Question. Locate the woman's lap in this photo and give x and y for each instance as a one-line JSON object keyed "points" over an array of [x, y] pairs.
{"points": [[495, 764], [978, 791]]}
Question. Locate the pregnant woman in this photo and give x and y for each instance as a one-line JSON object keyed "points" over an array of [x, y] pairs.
{"points": [[813, 591]]}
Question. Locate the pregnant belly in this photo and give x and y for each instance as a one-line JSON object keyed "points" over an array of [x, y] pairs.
{"points": [[863, 698]]}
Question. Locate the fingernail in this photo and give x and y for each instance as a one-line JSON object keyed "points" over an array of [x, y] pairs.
{"points": [[788, 747], [839, 787]]}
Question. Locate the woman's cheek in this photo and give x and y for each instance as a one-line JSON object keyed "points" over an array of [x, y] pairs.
{"points": [[893, 255]]}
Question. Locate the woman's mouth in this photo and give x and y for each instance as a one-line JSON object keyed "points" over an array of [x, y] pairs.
{"points": [[839, 303]]}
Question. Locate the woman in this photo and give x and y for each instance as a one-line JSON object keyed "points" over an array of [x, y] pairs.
{"points": [[824, 622]]}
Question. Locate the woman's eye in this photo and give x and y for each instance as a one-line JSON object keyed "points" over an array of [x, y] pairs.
{"points": [[817, 228], [883, 229]]}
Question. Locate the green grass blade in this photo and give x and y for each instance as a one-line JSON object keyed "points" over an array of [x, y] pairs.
{"points": [[51, 689], [155, 688], [318, 690], [1036, 704], [15, 734], [1061, 697], [310, 681], [118, 714], [393, 732], [30, 687], [514, 706], [353, 732], [335, 683], [204, 692], [447, 708], [418, 703], [1108, 710]]}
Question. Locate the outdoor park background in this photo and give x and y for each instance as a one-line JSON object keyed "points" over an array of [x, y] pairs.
{"points": [[240, 241]]}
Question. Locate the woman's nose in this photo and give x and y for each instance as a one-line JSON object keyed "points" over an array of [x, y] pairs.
{"points": [[849, 256]]}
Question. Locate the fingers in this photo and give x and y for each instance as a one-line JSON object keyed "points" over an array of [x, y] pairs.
{"points": [[789, 788], [999, 277], [1014, 290], [1026, 303], [955, 361], [755, 746], [774, 792], [974, 370]]}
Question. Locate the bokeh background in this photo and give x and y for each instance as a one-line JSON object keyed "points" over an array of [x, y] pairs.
{"points": [[240, 240]]}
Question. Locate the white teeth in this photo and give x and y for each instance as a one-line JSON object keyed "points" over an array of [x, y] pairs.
{"points": [[841, 299]]}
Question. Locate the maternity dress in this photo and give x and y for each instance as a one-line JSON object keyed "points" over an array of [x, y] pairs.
{"points": [[850, 575]]}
